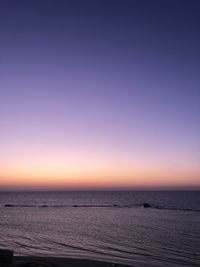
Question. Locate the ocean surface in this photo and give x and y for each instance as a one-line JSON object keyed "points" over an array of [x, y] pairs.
{"points": [[110, 226]]}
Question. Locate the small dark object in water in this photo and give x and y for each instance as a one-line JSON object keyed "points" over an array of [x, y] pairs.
{"points": [[146, 205], [114, 205], [8, 205], [44, 206], [75, 206], [6, 257]]}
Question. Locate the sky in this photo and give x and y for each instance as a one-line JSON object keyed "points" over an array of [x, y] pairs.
{"points": [[99, 94]]}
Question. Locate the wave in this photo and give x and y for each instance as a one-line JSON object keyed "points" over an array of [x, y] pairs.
{"points": [[144, 205], [180, 209], [68, 206]]}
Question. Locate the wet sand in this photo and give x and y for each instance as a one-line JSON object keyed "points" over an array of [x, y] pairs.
{"points": [[20, 261]]}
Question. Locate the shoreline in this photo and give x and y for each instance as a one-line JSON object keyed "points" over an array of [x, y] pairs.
{"points": [[36, 261]]}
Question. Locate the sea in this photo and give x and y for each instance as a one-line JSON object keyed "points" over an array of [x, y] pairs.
{"points": [[107, 226]]}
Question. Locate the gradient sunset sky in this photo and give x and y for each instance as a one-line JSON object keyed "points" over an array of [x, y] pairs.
{"points": [[99, 94]]}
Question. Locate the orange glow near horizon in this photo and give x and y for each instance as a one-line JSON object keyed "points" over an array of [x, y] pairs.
{"points": [[99, 98], [87, 168], [55, 173]]}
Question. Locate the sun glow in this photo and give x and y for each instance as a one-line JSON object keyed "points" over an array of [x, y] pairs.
{"points": [[92, 171]]}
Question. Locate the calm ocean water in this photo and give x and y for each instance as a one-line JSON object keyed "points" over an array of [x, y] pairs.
{"points": [[110, 226]]}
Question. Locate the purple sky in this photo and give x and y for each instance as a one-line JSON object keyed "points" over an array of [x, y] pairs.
{"points": [[114, 85]]}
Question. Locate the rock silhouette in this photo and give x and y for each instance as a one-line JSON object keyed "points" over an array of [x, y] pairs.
{"points": [[146, 205]]}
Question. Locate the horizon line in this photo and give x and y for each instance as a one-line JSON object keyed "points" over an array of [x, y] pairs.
{"points": [[182, 189]]}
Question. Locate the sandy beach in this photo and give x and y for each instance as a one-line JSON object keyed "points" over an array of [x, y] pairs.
{"points": [[7, 259], [20, 261]]}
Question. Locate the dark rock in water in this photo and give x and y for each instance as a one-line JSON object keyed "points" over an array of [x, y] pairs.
{"points": [[6, 257], [115, 205], [8, 205], [146, 205], [44, 206]]}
